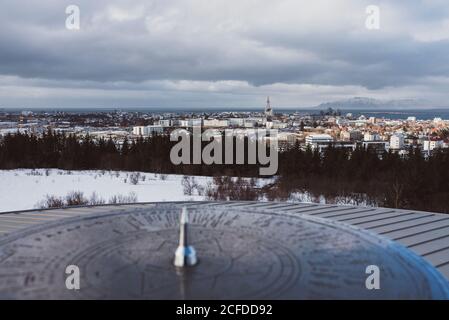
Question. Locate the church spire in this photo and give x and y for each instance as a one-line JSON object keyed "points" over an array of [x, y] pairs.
{"points": [[268, 109]]}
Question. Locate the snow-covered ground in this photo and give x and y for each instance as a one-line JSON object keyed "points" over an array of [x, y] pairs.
{"points": [[25, 189]]}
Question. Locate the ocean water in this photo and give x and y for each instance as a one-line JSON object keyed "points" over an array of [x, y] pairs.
{"points": [[429, 114], [420, 114]]}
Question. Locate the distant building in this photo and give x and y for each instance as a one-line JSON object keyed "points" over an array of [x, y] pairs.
{"points": [[318, 141], [286, 140], [353, 135], [276, 124], [165, 123], [191, 122], [155, 130], [147, 130], [430, 145], [318, 138], [321, 142], [341, 121], [371, 136], [397, 141], [183, 123], [236, 122], [195, 122], [140, 131], [376, 146], [215, 123], [249, 123]]}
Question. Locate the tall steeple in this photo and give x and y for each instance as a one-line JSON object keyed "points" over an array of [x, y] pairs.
{"points": [[268, 109]]}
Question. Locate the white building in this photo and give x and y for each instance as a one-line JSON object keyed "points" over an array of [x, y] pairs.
{"points": [[276, 124], [236, 122], [318, 138], [249, 123], [140, 131], [315, 141], [195, 122], [147, 131], [371, 136], [342, 121], [429, 145], [191, 122], [397, 141], [288, 137], [165, 123], [155, 130], [183, 123], [215, 123]]}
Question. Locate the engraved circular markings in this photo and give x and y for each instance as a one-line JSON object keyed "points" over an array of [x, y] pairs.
{"points": [[138, 266], [242, 255]]}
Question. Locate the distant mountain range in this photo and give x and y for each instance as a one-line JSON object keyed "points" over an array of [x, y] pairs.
{"points": [[362, 103]]}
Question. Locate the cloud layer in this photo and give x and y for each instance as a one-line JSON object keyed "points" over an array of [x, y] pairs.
{"points": [[200, 54]]}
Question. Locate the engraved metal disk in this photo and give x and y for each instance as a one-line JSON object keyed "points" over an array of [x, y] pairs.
{"points": [[243, 254]]}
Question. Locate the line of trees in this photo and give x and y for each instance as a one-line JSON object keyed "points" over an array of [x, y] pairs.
{"points": [[411, 182], [68, 152]]}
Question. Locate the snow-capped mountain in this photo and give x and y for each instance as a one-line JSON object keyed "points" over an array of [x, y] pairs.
{"points": [[370, 103]]}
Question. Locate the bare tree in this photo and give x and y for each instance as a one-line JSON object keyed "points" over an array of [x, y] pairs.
{"points": [[188, 185], [95, 199], [130, 198]]}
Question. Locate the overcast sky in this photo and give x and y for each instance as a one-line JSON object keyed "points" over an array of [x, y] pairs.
{"points": [[221, 53]]}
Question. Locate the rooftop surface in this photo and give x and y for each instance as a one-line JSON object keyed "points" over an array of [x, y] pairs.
{"points": [[425, 233]]}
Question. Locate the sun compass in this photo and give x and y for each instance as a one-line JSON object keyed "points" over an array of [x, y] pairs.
{"points": [[149, 252]]}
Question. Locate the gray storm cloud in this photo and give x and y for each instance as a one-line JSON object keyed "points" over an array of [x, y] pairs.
{"points": [[220, 53]]}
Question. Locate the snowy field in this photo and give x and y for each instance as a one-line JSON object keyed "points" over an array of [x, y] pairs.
{"points": [[26, 188]]}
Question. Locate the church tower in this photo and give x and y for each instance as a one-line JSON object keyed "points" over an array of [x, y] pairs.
{"points": [[268, 109]]}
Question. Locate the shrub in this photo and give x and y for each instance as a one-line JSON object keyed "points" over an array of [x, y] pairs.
{"points": [[117, 199], [51, 202], [75, 198], [134, 178], [96, 200]]}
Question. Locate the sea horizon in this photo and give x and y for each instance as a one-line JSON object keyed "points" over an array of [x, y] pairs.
{"points": [[420, 114]]}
